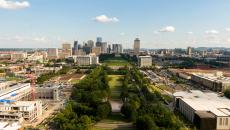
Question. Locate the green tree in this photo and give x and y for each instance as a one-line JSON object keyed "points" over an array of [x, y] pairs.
{"points": [[145, 122], [103, 110], [129, 112]]}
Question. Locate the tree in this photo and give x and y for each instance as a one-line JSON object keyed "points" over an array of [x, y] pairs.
{"points": [[129, 112], [103, 110], [145, 123], [85, 121]]}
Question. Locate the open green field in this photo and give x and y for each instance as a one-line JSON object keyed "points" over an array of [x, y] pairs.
{"points": [[115, 86], [116, 61]]}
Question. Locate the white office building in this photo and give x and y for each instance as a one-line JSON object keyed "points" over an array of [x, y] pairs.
{"points": [[85, 60], [207, 110]]}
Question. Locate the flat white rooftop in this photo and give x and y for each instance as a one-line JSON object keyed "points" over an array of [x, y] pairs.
{"points": [[12, 89], [212, 77], [9, 126], [205, 101]]}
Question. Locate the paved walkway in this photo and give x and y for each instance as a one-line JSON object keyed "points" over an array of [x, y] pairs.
{"points": [[116, 106], [105, 125]]}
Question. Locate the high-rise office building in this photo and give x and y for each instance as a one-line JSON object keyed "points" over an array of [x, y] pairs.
{"points": [[136, 47], [189, 51], [90, 43], [109, 49], [87, 49], [117, 48], [96, 50], [75, 47], [66, 50], [104, 47], [144, 61], [79, 46], [66, 46], [99, 39]]}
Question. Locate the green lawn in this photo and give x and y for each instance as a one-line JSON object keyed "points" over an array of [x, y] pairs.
{"points": [[115, 85], [116, 63]]}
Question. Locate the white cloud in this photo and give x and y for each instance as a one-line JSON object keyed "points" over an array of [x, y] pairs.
{"points": [[168, 29], [189, 32], [227, 29], [106, 19], [8, 4], [23, 38], [40, 39], [212, 32]]}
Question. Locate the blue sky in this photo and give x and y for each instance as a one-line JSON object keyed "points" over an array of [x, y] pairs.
{"points": [[158, 23]]}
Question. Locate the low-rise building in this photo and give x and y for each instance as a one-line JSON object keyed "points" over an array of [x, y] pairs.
{"points": [[85, 60], [212, 82], [36, 57], [207, 110], [52, 53], [49, 92], [144, 61], [20, 110], [21, 92], [18, 56]]}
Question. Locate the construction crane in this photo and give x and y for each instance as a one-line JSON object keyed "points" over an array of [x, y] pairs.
{"points": [[32, 84]]}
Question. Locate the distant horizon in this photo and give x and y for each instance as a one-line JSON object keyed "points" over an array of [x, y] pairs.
{"points": [[125, 48]]}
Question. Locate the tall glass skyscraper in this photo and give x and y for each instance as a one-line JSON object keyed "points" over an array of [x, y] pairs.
{"points": [[99, 39]]}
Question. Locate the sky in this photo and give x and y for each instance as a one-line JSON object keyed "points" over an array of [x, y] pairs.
{"points": [[158, 23]]}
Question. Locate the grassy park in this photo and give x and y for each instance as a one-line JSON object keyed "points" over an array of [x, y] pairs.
{"points": [[116, 62], [114, 121], [115, 84]]}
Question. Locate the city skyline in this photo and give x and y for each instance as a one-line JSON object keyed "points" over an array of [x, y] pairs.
{"points": [[158, 24]]}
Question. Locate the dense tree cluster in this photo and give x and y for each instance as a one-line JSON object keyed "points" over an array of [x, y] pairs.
{"points": [[104, 57], [121, 71], [129, 58], [144, 108], [89, 102]]}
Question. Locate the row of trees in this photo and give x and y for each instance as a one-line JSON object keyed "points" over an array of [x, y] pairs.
{"points": [[89, 103], [144, 108]]}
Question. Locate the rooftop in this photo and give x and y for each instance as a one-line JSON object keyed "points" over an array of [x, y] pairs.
{"points": [[205, 101], [212, 77], [12, 89]]}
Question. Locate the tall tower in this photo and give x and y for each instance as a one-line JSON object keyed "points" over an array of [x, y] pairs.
{"points": [[75, 47], [189, 51], [136, 47], [99, 39]]}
